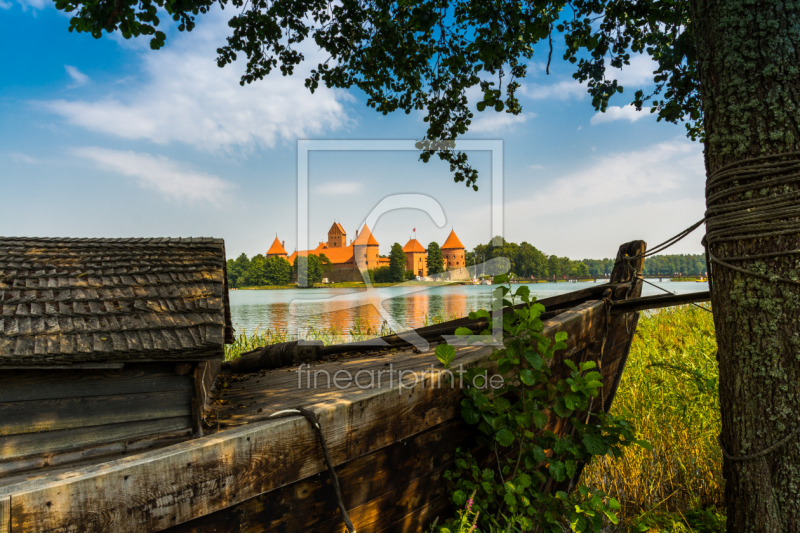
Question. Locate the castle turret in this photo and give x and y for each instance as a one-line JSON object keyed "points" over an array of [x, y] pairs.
{"points": [[453, 252], [337, 236], [277, 249], [365, 249], [416, 258]]}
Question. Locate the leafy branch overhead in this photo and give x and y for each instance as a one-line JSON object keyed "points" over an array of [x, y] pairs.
{"points": [[425, 55]]}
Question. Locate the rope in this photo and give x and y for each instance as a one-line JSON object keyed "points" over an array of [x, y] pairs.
{"points": [[743, 217], [664, 245], [774, 447], [675, 294], [312, 418]]}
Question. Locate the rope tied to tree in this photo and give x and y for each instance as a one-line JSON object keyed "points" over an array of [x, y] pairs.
{"points": [[753, 210]]}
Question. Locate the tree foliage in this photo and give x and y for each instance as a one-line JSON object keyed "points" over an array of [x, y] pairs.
{"points": [[425, 55], [312, 273], [435, 259], [397, 264]]}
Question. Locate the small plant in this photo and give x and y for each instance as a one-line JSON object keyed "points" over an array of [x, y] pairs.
{"points": [[528, 482]]}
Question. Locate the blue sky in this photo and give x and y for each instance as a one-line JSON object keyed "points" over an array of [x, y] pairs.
{"points": [[106, 138]]}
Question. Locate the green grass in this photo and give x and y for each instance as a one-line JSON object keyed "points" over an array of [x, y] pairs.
{"points": [[669, 391]]}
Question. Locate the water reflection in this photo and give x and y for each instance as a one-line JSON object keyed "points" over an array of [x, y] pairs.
{"points": [[297, 311]]}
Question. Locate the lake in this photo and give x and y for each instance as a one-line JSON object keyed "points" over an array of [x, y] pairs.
{"points": [[299, 310]]}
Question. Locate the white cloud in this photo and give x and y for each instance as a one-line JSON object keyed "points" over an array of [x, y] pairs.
{"points": [[186, 98], [19, 157], [562, 90], [334, 188], [5, 5], [492, 121], [650, 194], [77, 76], [613, 113], [637, 74], [614, 177], [33, 4], [164, 175], [536, 167]]}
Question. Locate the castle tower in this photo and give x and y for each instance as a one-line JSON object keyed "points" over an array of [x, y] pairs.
{"points": [[365, 249], [416, 258], [337, 237], [277, 249], [453, 252]]}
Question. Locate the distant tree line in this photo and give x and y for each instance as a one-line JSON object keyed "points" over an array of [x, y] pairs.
{"points": [[526, 261], [261, 272]]}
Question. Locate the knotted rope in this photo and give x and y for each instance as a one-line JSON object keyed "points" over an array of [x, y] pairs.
{"points": [[753, 210]]}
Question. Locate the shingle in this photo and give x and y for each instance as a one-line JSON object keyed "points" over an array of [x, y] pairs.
{"points": [[111, 299]]}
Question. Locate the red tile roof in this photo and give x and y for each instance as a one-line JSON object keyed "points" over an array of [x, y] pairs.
{"points": [[276, 248], [339, 226], [365, 237], [413, 246], [452, 242], [343, 254]]}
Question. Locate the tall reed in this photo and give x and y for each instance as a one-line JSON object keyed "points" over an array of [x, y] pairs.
{"points": [[669, 391]]}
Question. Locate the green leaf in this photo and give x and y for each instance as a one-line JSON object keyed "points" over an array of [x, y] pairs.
{"points": [[445, 354], [463, 331], [502, 278], [505, 437], [594, 444], [527, 377], [534, 359], [611, 516], [540, 419], [561, 336], [558, 471], [584, 366], [459, 498], [644, 444]]}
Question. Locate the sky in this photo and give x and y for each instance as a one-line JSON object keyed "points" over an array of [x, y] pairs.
{"points": [[107, 138]]}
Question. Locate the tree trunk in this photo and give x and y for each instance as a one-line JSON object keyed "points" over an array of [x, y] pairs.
{"points": [[749, 60]]}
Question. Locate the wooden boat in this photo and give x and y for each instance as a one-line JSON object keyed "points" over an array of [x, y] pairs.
{"points": [[231, 468]]}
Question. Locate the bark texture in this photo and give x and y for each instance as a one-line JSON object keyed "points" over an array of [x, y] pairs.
{"points": [[749, 57]]}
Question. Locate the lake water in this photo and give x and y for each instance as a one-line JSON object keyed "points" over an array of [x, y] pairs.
{"points": [[300, 310]]}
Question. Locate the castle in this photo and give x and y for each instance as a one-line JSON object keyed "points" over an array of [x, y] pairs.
{"points": [[343, 256]]}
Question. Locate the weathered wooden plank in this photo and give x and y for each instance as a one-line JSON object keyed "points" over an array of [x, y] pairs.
{"points": [[67, 413], [47, 384], [419, 519], [162, 488], [15, 447], [392, 506], [305, 504], [5, 514]]}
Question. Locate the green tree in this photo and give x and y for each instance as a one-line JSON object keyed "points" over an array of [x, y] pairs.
{"points": [[554, 267], [236, 270], [311, 274], [381, 274], [397, 263], [435, 259], [277, 271], [530, 261], [256, 275], [727, 68]]}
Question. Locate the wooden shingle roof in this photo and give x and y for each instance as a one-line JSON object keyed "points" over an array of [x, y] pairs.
{"points": [[91, 300]]}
